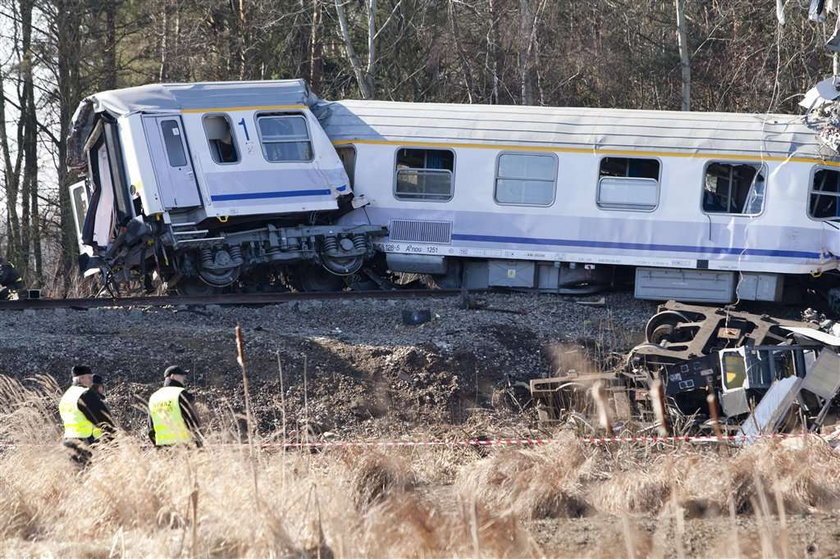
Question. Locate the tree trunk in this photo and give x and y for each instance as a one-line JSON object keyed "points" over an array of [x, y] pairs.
{"points": [[371, 65], [685, 62], [242, 39], [11, 182], [364, 85], [27, 126], [526, 23], [68, 46], [462, 57], [316, 62], [493, 48], [109, 57], [163, 74]]}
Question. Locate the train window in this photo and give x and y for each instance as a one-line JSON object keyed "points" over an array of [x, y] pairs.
{"points": [[734, 188], [219, 135], [172, 141], [526, 179], [347, 154], [825, 195], [284, 137], [628, 184], [424, 174]]}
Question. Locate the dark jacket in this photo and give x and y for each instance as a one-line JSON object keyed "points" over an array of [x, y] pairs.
{"points": [[9, 276], [10, 280], [185, 402]]}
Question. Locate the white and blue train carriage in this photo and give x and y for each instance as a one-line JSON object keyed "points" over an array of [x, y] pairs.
{"points": [[704, 206], [210, 184]]}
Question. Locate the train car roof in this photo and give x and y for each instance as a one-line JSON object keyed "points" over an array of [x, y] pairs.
{"points": [[575, 129], [161, 97]]}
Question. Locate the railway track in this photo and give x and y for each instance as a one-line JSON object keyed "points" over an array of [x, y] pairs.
{"points": [[231, 299]]}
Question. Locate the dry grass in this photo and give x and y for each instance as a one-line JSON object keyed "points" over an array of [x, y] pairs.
{"points": [[545, 482], [220, 502], [567, 479]]}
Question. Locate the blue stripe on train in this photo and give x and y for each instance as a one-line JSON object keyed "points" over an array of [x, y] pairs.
{"points": [[636, 246], [276, 194]]}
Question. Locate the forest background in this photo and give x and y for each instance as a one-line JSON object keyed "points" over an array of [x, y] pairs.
{"points": [[707, 55]]}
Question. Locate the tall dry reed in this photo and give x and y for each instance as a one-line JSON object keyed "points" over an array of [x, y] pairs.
{"points": [[132, 500]]}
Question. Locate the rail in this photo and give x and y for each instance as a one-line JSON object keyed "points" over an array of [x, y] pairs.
{"points": [[231, 299]]}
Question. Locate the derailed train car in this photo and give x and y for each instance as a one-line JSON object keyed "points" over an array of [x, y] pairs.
{"points": [[238, 182], [706, 207], [212, 184]]}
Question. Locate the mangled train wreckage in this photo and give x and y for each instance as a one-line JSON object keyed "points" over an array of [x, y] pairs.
{"points": [[737, 356], [259, 184], [718, 367]]}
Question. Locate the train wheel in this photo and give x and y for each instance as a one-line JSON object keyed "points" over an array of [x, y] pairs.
{"points": [[661, 333], [194, 287], [662, 325], [313, 279]]}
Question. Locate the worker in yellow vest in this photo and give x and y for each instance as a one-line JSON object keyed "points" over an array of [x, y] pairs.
{"points": [[84, 414], [172, 417]]}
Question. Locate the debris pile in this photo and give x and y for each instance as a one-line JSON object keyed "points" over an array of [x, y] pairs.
{"points": [[722, 370]]}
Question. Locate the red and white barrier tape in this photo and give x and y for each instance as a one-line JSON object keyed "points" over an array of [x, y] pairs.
{"points": [[535, 442], [629, 439]]}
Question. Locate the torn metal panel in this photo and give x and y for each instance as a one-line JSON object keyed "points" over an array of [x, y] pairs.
{"points": [[833, 43], [823, 378], [814, 334], [816, 11], [821, 93], [773, 408], [823, 115]]}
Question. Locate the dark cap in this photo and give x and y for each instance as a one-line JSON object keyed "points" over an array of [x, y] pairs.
{"points": [[97, 379], [174, 370], [79, 370]]}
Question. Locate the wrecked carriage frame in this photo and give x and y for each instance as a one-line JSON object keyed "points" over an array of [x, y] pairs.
{"points": [[676, 334], [683, 345]]}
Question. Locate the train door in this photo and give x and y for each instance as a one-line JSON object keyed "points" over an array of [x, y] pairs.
{"points": [[171, 160]]}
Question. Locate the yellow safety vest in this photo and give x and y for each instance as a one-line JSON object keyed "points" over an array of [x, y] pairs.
{"points": [[76, 425], [165, 411]]}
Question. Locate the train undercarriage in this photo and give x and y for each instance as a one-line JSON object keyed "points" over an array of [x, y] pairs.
{"points": [[189, 260]]}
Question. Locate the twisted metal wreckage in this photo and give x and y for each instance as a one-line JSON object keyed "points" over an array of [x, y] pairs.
{"points": [[748, 373]]}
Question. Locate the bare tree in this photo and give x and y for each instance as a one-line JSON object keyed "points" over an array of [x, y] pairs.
{"points": [[685, 61], [316, 62], [363, 75], [109, 55]]}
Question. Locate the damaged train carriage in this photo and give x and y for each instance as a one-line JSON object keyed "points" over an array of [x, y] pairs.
{"points": [[704, 207], [212, 184]]}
